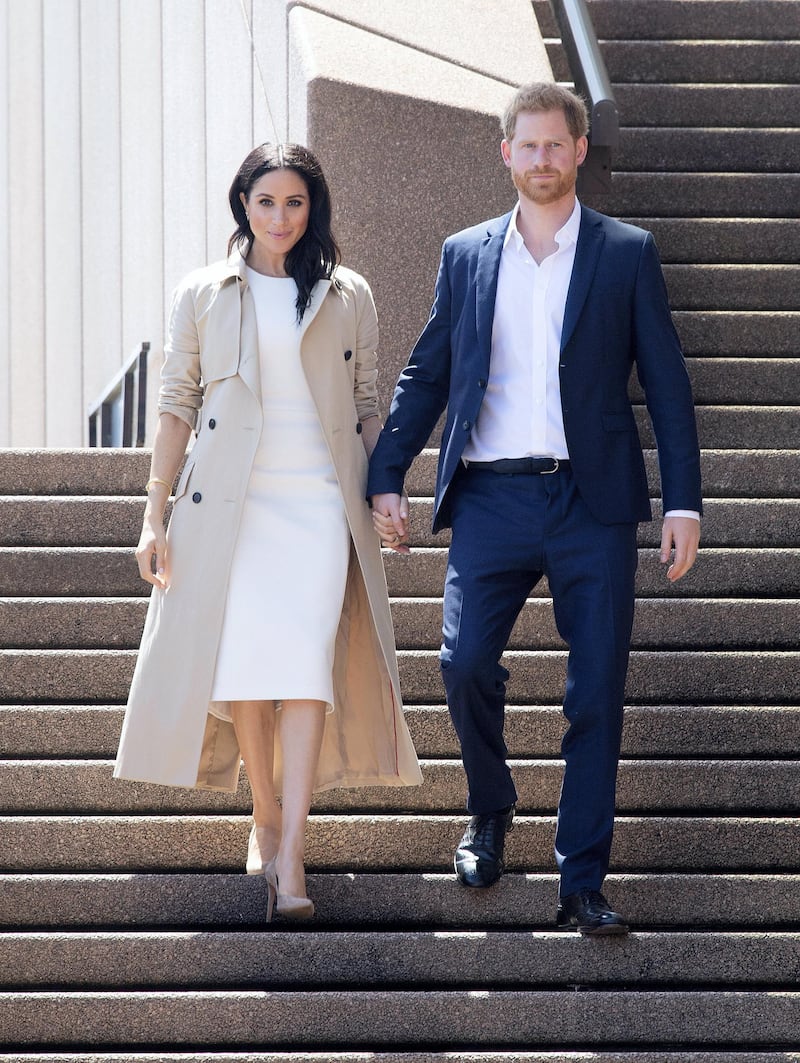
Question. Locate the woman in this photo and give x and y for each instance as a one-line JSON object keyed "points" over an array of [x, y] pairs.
{"points": [[268, 637]]}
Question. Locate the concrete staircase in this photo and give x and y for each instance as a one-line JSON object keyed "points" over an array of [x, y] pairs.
{"points": [[129, 931]]}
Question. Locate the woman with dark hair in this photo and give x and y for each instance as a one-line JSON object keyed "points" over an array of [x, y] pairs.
{"points": [[268, 637]]}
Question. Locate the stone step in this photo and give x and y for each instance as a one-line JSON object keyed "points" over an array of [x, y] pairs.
{"points": [[763, 523], [702, 1018], [693, 61], [666, 623], [463, 1056], [86, 787], [693, 150], [74, 471], [67, 521], [654, 677], [281, 960], [679, 19], [732, 287], [389, 842], [718, 380], [104, 571], [741, 333], [390, 900], [744, 731], [703, 107], [726, 473], [745, 240], [700, 195]]}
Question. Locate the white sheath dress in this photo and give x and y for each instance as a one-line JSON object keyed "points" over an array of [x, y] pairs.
{"points": [[289, 567]]}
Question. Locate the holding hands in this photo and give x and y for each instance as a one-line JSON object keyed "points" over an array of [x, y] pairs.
{"points": [[390, 520]]}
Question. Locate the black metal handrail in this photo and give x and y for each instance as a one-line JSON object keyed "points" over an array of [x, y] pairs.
{"points": [[591, 80], [123, 403]]}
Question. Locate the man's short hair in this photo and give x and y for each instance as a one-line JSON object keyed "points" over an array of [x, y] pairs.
{"points": [[541, 96]]}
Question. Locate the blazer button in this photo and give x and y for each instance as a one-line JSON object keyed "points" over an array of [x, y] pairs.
{"points": [[481, 383], [196, 497], [359, 428], [466, 426], [212, 423], [348, 355]]}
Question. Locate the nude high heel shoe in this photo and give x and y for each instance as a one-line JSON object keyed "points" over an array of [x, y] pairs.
{"points": [[262, 846], [283, 903]]}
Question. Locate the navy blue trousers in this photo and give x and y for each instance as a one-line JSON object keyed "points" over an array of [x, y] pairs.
{"points": [[507, 532]]}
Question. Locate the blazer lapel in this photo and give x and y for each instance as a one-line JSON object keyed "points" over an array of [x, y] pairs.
{"points": [[488, 267], [587, 252]]}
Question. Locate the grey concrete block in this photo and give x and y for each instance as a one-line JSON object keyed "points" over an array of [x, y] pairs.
{"points": [[390, 900], [392, 842], [382, 1018]]}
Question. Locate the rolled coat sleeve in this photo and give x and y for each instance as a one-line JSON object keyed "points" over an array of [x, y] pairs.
{"points": [[181, 392], [365, 392]]}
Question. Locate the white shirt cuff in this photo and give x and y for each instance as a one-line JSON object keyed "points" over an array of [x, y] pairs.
{"points": [[683, 513]]}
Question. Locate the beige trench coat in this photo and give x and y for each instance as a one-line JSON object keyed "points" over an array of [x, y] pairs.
{"points": [[211, 379]]}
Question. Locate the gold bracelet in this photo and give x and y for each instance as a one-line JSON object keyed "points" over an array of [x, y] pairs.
{"points": [[156, 480]]}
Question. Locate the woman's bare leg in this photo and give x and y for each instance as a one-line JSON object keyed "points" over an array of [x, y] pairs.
{"points": [[254, 724], [301, 725]]}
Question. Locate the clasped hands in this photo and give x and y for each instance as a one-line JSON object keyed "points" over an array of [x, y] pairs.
{"points": [[390, 520]]}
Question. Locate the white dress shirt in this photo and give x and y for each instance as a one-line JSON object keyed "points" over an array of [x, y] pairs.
{"points": [[520, 415]]}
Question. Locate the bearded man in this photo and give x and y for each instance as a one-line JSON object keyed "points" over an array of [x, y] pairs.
{"points": [[538, 320]]}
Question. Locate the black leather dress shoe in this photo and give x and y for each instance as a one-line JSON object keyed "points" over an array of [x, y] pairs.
{"points": [[589, 912], [479, 856]]}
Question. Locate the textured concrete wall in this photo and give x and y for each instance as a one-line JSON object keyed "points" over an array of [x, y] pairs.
{"points": [[123, 121]]}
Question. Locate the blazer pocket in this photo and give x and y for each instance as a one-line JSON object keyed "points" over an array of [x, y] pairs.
{"points": [[619, 422]]}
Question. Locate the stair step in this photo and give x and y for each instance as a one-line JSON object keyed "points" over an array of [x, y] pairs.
{"points": [[716, 381], [116, 623], [732, 287], [705, 61], [272, 959], [104, 571], [77, 787], [754, 731], [74, 471], [654, 677], [115, 522], [744, 333], [730, 150], [744, 240], [390, 842], [701, 195], [707, 106], [665, 19], [438, 1018], [463, 1056], [390, 900]]}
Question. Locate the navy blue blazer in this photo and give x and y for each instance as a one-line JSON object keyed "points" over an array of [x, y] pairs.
{"points": [[617, 316]]}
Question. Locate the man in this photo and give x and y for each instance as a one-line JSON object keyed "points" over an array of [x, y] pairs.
{"points": [[537, 321]]}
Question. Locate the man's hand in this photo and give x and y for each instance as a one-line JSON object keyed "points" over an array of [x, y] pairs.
{"points": [[683, 535], [390, 520]]}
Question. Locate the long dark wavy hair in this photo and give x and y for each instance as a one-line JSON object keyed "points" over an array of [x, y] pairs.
{"points": [[316, 253]]}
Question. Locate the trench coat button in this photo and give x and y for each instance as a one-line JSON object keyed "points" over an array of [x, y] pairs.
{"points": [[212, 423], [196, 496], [359, 428], [466, 426], [348, 355]]}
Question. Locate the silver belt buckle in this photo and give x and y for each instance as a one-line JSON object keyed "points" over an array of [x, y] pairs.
{"points": [[549, 472]]}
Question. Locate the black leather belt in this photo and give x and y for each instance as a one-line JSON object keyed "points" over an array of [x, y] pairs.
{"points": [[527, 466]]}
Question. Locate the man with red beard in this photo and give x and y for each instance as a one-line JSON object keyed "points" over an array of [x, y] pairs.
{"points": [[538, 319]]}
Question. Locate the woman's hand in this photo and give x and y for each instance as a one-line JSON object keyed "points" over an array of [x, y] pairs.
{"points": [[151, 552], [390, 520]]}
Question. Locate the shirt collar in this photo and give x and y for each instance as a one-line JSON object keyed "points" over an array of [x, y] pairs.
{"points": [[566, 235]]}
